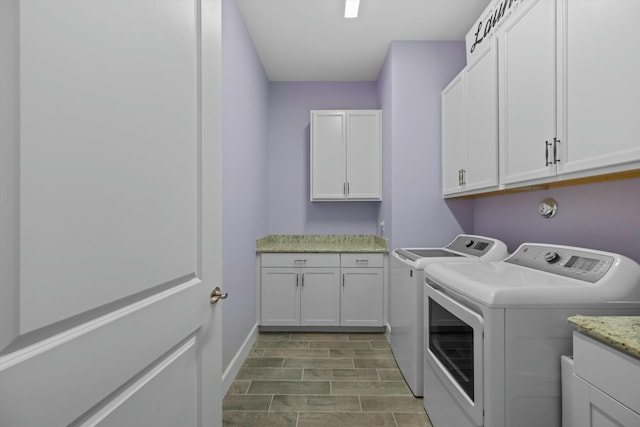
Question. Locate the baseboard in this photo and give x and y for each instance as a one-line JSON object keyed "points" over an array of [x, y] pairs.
{"points": [[237, 361]]}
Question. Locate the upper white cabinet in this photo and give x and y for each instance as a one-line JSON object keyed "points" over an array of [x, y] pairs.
{"points": [[346, 149], [527, 45], [601, 86], [568, 96], [568, 93], [470, 127]]}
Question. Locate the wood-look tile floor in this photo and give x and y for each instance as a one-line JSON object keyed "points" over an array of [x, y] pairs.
{"points": [[317, 379]]}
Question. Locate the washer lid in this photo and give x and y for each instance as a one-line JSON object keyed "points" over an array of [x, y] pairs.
{"points": [[414, 254], [504, 284], [465, 247]]}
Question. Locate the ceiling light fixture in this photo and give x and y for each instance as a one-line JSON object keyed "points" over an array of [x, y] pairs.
{"points": [[351, 8]]}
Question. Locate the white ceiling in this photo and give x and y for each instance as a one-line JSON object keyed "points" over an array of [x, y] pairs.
{"points": [[310, 40]]}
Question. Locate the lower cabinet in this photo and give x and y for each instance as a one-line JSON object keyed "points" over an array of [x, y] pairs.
{"points": [[308, 295], [605, 386], [362, 290], [303, 289]]}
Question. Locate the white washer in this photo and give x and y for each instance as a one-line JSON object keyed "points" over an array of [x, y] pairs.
{"points": [[495, 331], [406, 294]]}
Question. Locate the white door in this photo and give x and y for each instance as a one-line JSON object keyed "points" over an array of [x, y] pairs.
{"points": [[527, 46], [364, 154], [328, 134], [109, 213], [482, 120], [361, 300], [280, 296], [454, 134], [602, 94], [320, 297]]}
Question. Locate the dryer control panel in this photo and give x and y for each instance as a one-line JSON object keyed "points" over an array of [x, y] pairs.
{"points": [[564, 261]]}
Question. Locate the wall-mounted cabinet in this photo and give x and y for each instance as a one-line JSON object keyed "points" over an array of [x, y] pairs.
{"points": [[568, 96], [569, 99], [600, 87], [470, 127], [346, 155]]}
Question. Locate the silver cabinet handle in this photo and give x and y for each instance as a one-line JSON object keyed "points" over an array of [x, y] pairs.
{"points": [[546, 153], [555, 150]]}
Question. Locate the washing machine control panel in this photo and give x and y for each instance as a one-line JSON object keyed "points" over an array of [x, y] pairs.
{"points": [[565, 261], [472, 245]]}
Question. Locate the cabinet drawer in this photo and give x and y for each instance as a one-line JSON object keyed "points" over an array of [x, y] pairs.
{"points": [[361, 260], [612, 371], [300, 259]]}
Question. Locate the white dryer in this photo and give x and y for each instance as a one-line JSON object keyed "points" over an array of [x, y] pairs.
{"points": [[495, 331], [406, 294]]}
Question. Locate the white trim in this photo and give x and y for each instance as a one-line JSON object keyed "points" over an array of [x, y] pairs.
{"points": [[234, 366]]}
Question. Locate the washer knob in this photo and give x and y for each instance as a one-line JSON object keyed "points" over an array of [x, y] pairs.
{"points": [[551, 257], [468, 243]]}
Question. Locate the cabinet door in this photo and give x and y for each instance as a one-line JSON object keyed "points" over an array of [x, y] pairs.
{"points": [[328, 168], [527, 48], [454, 134], [362, 291], [364, 148], [482, 119], [592, 407], [280, 297], [320, 297], [601, 84]]}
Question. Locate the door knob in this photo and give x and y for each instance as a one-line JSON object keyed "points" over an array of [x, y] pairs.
{"points": [[217, 294]]}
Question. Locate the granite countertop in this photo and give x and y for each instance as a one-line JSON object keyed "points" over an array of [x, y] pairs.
{"points": [[622, 332], [322, 243]]}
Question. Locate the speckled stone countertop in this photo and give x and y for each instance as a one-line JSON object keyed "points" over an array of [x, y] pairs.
{"points": [[322, 243], [622, 332]]}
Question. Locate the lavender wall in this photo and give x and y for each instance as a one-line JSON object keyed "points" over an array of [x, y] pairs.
{"points": [[244, 168], [411, 82], [290, 211], [604, 216]]}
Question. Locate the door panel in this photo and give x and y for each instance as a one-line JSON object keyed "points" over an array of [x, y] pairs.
{"points": [[527, 47], [91, 183], [364, 155], [320, 297], [280, 296], [110, 213], [454, 134], [328, 133], [361, 300], [602, 93], [170, 381]]}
